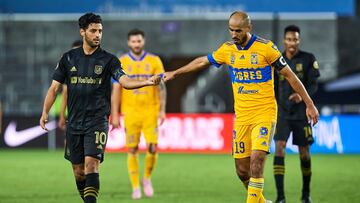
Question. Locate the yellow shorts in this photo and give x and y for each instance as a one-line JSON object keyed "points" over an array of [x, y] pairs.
{"points": [[252, 137], [146, 123]]}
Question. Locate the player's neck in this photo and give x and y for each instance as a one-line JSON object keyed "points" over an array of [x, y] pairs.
{"points": [[137, 55], [290, 55], [88, 50]]}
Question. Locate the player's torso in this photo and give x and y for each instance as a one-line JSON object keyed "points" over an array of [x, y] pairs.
{"points": [[252, 82], [140, 69], [89, 87], [299, 64]]}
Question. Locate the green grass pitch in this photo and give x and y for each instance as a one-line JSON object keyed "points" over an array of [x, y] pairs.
{"points": [[45, 177]]}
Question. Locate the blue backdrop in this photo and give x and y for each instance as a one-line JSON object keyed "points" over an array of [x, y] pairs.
{"points": [[343, 7], [334, 134]]}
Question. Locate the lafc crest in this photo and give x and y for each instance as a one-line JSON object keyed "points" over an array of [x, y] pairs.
{"points": [[98, 69]]}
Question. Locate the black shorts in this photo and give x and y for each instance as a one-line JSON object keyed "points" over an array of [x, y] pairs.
{"points": [[90, 143], [301, 131]]}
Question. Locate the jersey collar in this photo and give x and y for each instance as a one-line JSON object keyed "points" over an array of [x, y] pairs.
{"points": [[135, 59], [248, 45]]}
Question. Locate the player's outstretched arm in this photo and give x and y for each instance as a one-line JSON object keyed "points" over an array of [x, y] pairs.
{"points": [[195, 65], [311, 111], [130, 83], [49, 101]]}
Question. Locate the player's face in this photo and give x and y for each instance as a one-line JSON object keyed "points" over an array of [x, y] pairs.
{"points": [[136, 44], [92, 35], [292, 41], [239, 31]]}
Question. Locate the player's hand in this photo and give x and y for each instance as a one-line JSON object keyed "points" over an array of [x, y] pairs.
{"points": [[312, 114], [162, 117], [168, 76], [154, 80], [62, 123], [115, 121], [43, 120], [295, 97]]}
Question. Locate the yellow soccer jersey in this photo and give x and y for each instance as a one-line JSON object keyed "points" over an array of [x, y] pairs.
{"points": [[143, 68], [252, 78]]}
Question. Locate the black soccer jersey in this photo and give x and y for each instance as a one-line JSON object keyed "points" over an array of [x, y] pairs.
{"points": [[306, 68], [88, 78]]}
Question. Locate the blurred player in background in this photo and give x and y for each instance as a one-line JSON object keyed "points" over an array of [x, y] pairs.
{"points": [[142, 109], [292, 112], [87, 71], [63, 114], [251, 61]]}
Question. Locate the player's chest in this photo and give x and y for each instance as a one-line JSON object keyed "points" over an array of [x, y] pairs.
{"points": [[298, 66], [247, 59], [87, 68], [138, 68]]}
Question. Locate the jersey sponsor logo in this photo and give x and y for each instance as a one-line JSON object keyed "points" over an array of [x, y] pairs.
{"points": [[73, 69], [14, 138], [250, 75], [98, 69], [254, 58], [85, 80], [242, 91]]}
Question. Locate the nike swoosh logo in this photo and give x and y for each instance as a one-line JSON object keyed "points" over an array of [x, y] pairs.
{"points": [[15, 138]]}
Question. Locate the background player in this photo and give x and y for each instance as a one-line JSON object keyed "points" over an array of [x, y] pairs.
{"points": [[87, 71], [141, 65], [292, 115], [250, 61]]}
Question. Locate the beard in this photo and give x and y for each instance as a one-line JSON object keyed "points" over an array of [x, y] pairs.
{"points": [[91, 43], [136, 51]]}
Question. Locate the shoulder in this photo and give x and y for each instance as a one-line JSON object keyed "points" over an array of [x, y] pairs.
{"points": [[262, 40], [307, 54]]}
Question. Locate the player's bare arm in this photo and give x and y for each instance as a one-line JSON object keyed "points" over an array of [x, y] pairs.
{"points": [[62, 119], [311, 111], [195, 65], [115, 101], [49, 101], [130, 83], [162, 97]]}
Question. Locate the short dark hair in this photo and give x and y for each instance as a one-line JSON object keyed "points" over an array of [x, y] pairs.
{"points": [[76, 43], [291, 28], [136, 31], [87, 19]]}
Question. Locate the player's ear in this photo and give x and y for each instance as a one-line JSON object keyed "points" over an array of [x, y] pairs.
{"points": [[82, 32]]}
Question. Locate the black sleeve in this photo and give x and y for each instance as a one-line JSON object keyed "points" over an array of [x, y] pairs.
{"points": [[116, 68], [279, 64], [312, 76], [60, 71]]}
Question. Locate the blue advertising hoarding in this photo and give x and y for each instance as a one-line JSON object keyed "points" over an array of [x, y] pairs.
{"points": [[333, 134], [343, 7]]}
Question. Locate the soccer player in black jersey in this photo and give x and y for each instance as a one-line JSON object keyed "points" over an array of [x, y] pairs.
{"points": [[87, 72], [292, 112]]}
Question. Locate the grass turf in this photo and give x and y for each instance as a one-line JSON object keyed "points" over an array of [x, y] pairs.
{"points": [[28, 176]]}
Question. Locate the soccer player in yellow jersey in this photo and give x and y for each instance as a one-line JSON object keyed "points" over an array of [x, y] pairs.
{"points": [[141, 109], [251, 61]]}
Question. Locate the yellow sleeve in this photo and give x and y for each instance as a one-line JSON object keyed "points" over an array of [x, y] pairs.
{"points": [[159, 68], [272, 53], [217, 58]]}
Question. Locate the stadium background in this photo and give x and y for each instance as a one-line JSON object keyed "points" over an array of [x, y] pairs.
{"points": [[34, 34]]}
